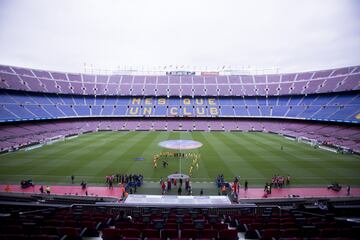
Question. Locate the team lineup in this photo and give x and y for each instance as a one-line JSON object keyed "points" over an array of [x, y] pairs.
{"points": [[165, 157]]}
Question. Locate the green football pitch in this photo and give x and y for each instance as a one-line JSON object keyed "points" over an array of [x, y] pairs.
{"points": [[252, 156]]}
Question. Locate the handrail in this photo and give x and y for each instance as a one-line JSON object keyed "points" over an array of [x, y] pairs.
{"points": [[309, 213], [41, 210]]}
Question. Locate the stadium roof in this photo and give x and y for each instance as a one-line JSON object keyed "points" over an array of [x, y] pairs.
{"points": [[291, 35]]}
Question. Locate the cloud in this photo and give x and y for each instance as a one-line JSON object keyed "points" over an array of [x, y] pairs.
{"points": [[292, 35]]}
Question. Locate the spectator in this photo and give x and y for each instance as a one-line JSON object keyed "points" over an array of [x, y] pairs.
{"points": [[47, 189], [235, 187], [163, 187], [168, 184], [26, 183], [288, 180], [187, 184], [83, 185], [267, 188], [223, 189]]}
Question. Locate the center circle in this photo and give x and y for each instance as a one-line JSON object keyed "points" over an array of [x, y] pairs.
{"points": [[180, 144]]}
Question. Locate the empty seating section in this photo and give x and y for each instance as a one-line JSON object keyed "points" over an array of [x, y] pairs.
{"points": [[218, 103], [110, 223], [17, 106], [335, 80], [31, 99], [25, 133]]}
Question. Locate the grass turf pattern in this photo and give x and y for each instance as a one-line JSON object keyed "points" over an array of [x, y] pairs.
{"points": [[253, 156]]}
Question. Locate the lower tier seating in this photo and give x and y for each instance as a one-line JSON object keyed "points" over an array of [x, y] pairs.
{"points": [[16, 135]]}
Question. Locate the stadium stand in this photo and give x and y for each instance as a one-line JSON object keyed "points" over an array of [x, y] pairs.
{"points": [[23, 134], [303, 221], [84, 102], [38, 106], [325, 81], [20, 106]]}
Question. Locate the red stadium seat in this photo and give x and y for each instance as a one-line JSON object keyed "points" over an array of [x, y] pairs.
{"points": [[189, 233], [228, 234], [208, 233], [71, 233], [92, 228], [49, 230], [111, 234], [150, 233], [131, 232], [170, 233]]}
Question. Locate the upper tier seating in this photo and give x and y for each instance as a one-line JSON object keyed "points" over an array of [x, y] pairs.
{"points": [[324, 81]]}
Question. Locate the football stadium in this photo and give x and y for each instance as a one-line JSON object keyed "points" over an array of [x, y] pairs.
{"points": [[175, 151]]}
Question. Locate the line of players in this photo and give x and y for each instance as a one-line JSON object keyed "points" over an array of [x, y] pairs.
{"points": [[194, 157], [194, 163]]}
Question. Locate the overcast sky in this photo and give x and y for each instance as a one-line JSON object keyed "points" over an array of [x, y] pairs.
{"points": [[290, 34]]}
